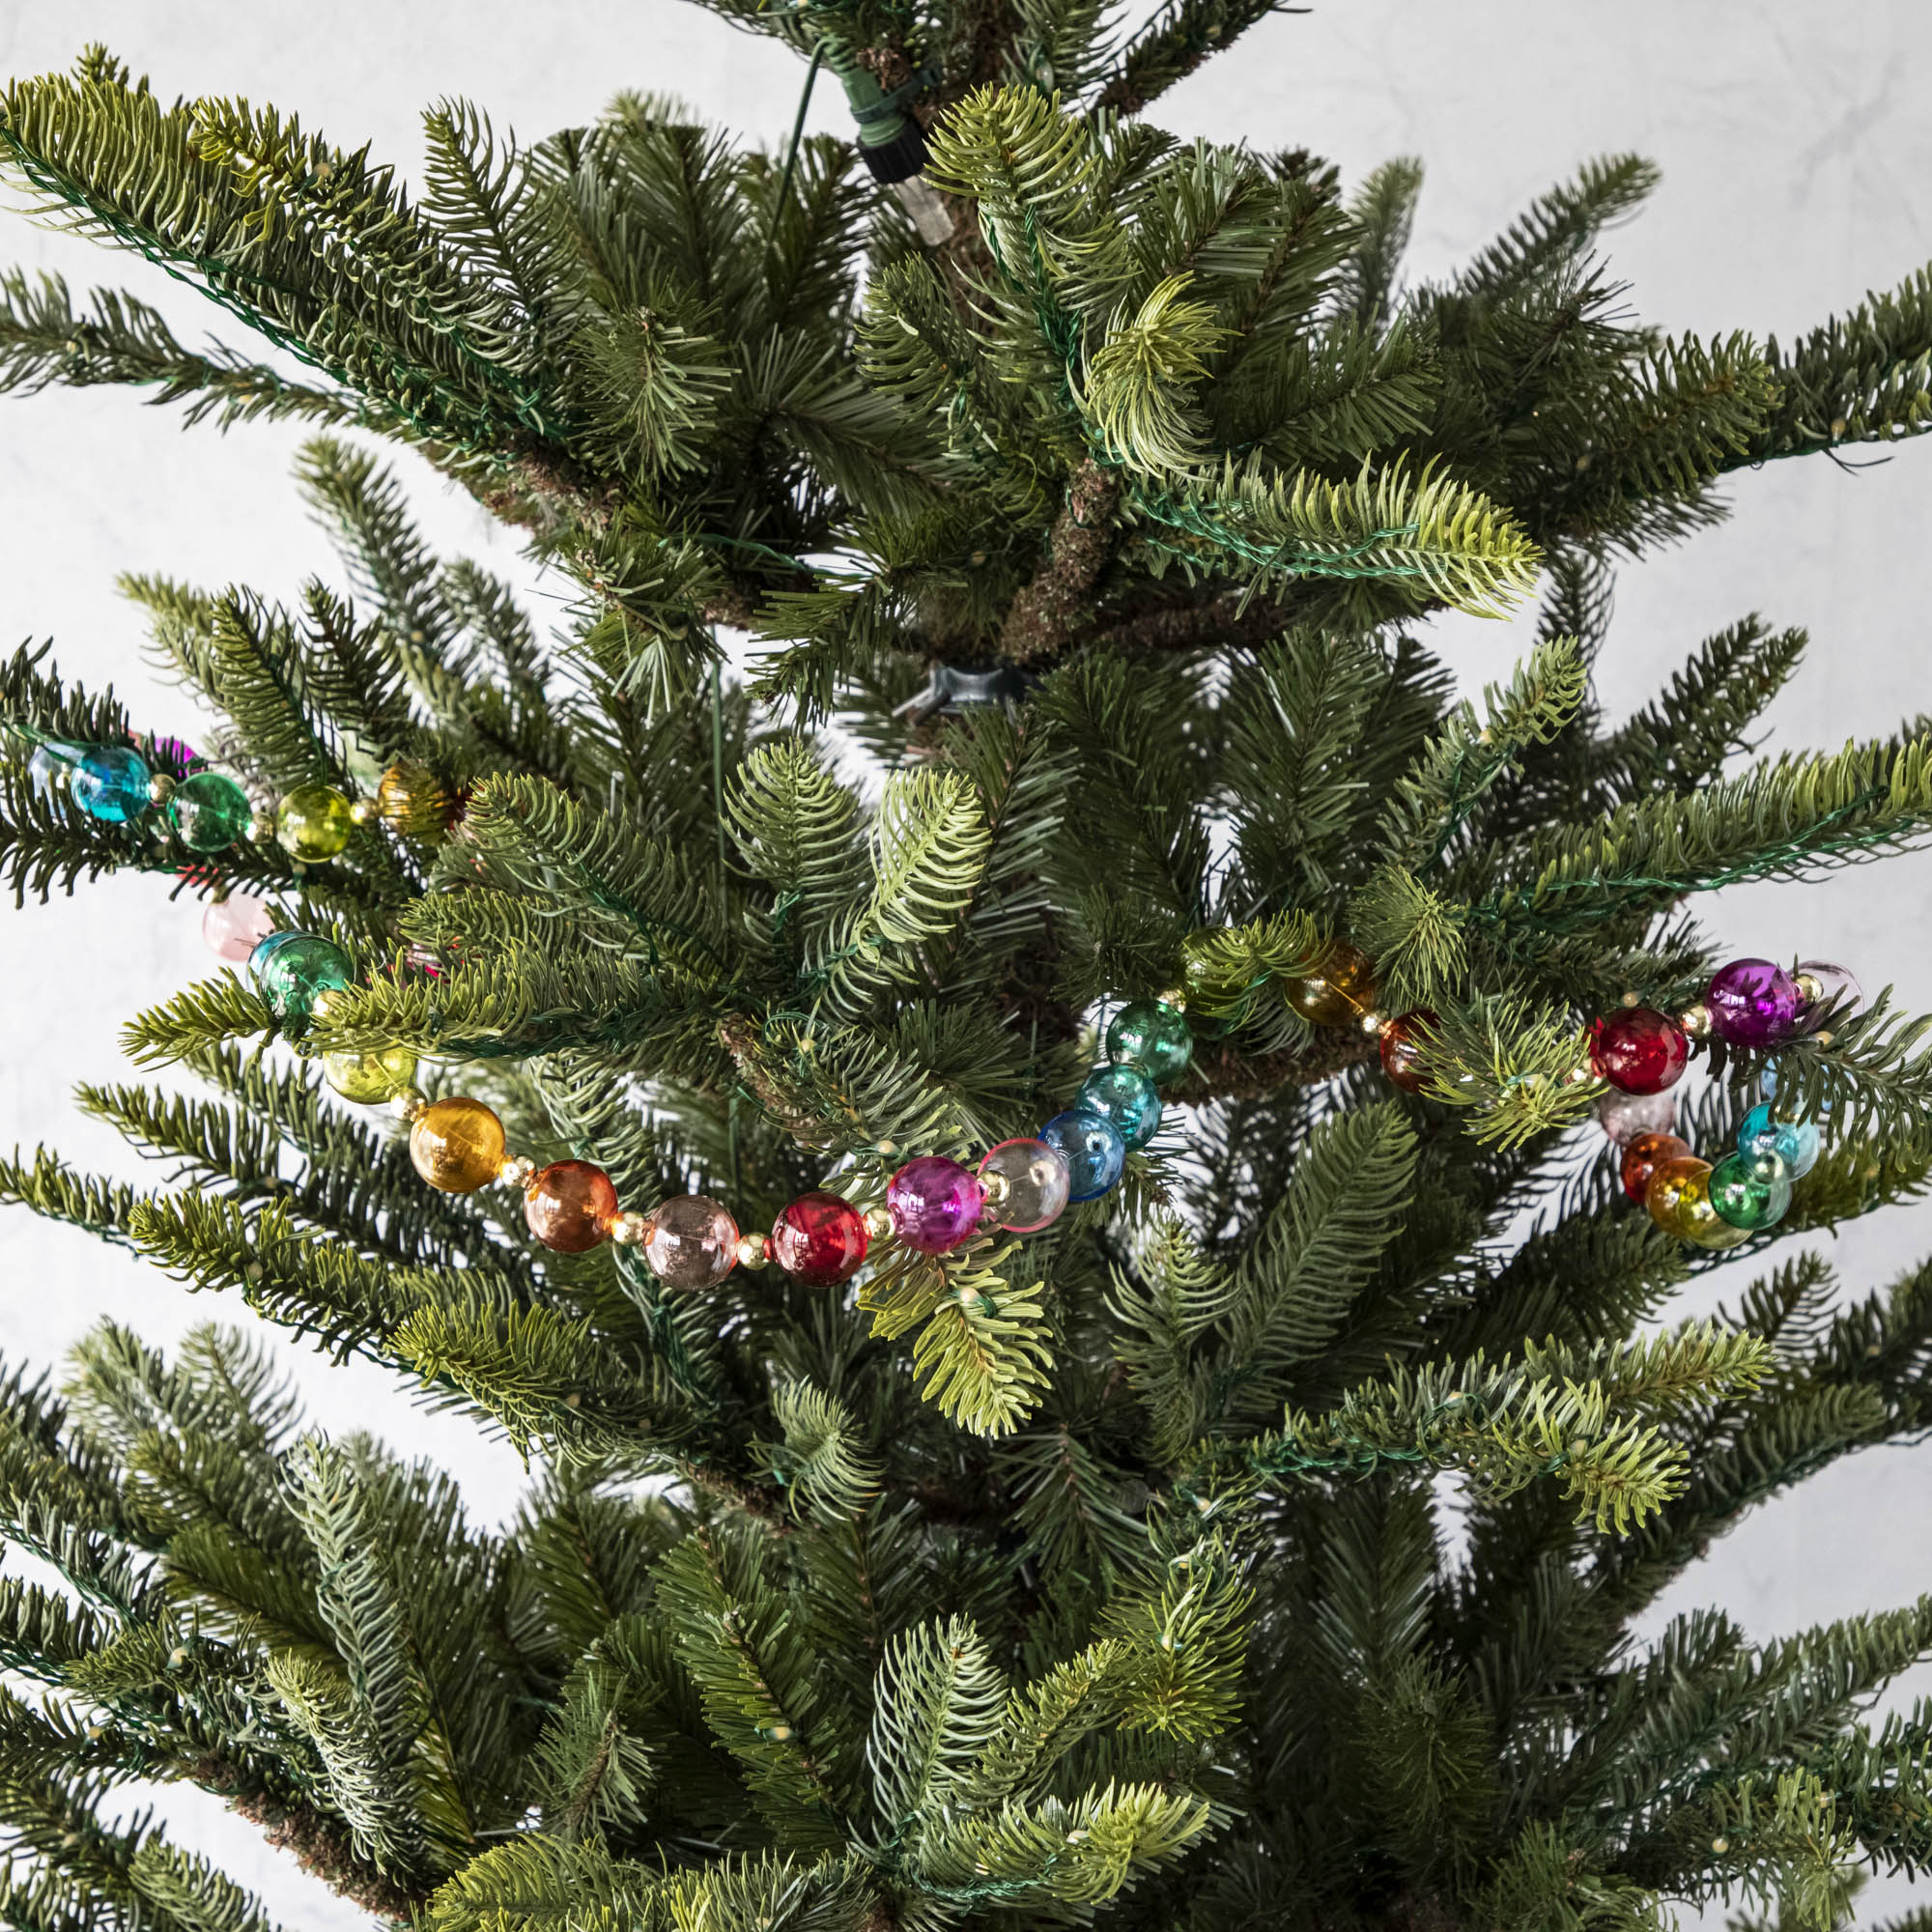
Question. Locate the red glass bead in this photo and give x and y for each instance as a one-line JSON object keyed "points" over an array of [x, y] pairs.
{"points": [[819, 1239], [568, 1206], [1642, 1156], [1639, 1050], [1401, 1048]]}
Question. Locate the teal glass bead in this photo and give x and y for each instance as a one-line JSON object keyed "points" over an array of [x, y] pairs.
{"points": [[1153, 1035], [1126, 1096], [1092, 1147], [209, 811], [1750, 1191], [110, 782], [1794, 1143], [293, 974], [265, 948]]}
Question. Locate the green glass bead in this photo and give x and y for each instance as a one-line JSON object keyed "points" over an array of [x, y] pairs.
{"points": [[1151, 1036], [314, 822], [1125, 1096], [296, 972], [1750, 1191], [209, 812]]}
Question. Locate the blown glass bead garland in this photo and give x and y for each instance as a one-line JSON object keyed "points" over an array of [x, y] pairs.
{"points": [[1755, 1004]]}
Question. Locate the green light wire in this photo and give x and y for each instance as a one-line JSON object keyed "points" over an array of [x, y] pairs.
{"points": [[797, 132]]}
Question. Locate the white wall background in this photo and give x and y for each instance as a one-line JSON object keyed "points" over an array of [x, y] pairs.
{"points": [[1796, 174]]}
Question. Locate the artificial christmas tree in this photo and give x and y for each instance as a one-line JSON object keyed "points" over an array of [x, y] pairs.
{"points": [[991, 1164]]}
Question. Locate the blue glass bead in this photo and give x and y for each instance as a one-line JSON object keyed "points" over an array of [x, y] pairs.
{"points": [[1795, 1143], [1092, 1147], [294, 974], [1127, 1097], [110, 782]]}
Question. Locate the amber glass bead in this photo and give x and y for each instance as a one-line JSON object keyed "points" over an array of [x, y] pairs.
{"points": [[1679, 1201], [692, 1243], [456, 1145], [570, 1205], [314, 822], [1640, 1157], [412, 798], [369, 1078], [1341, 993], [1401, 1045]]}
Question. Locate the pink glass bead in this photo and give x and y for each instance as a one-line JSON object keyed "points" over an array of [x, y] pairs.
{"points": [[1038, 1181], [1624, 1116], [934, 1203], [236, 926], [693, 1242], [1753, 1002], [1839, 994]]}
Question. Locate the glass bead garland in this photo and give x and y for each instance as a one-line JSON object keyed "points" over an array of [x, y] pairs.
{"points": [[1639, 1052]]}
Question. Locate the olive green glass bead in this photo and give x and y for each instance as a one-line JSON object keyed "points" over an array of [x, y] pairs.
{"points": [[372, 1077], [209, 813], [314, 822], [1153, 1037]]}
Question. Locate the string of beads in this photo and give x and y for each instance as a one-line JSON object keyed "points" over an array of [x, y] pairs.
{"points": [[934, 1204]]}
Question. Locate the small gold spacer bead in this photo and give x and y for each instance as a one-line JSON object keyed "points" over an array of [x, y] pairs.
{"points": [[1629, 1000], [1175, 997], [408, 1103], [997, 1189], [753, 1251], [262, 828], [515, 1170], [1696, 1021], [1375, 1024], [1579, 1076], [1810, 988], [1822, 1038], [364, 812], [630, 1229], [878, 1223], [325, 1003], [161, 789]]}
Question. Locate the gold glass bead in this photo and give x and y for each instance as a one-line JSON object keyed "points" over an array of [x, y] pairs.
{"points": [[410, 1102], [630, 1229], [366, 1079], [754, 1250], [1340, 992], [456, 1145], [411, 800]]}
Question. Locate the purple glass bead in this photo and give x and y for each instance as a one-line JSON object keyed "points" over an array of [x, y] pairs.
{"points": [[935, 1204], [1839, 994], [1752, 1003]]}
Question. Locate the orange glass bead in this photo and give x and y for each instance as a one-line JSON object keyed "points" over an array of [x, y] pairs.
{"points": [[1401, 1048], [1640, 1157], [1341, 993], [570, 1205], [456, 1145]]}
